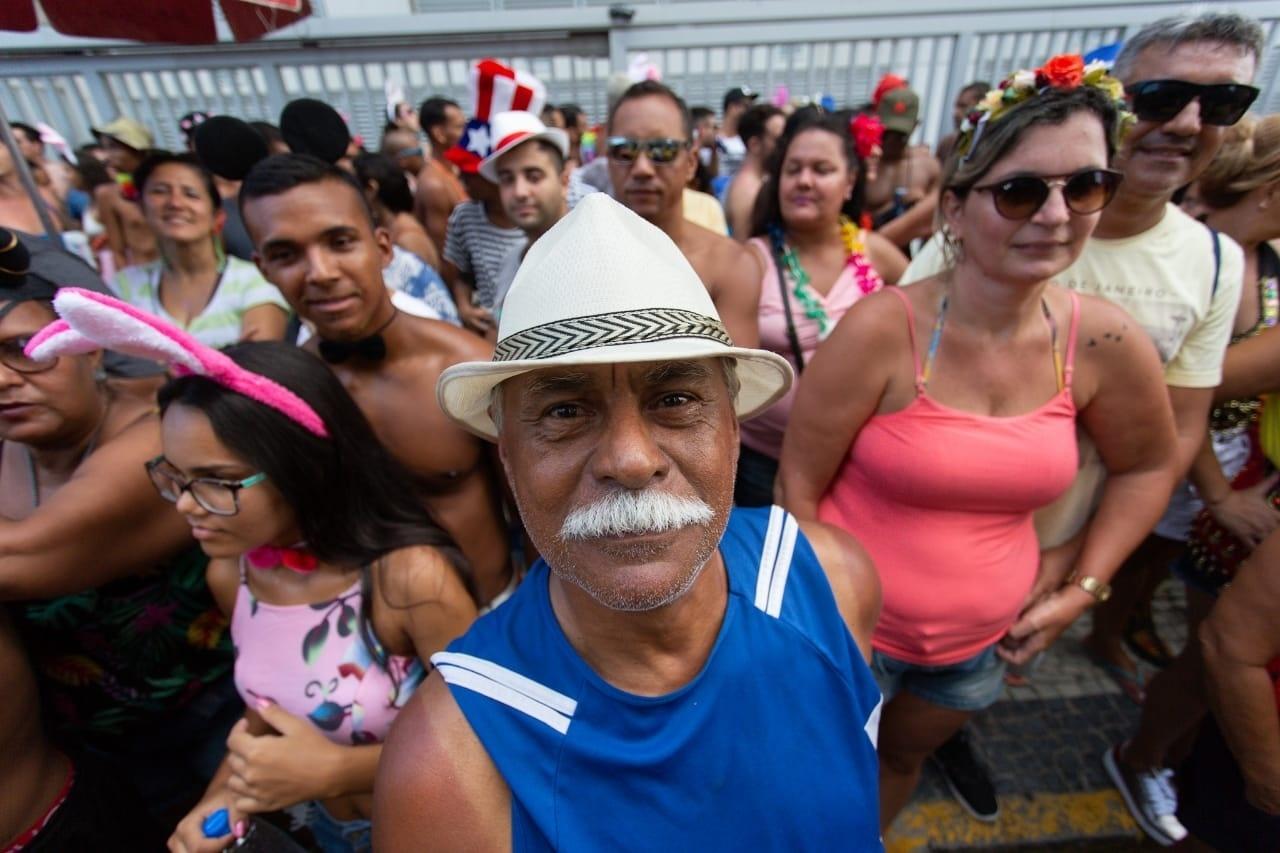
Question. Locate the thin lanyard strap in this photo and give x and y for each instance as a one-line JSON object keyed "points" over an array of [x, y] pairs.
{"points": [[792, 337], [1059, 372], [936, 338]]}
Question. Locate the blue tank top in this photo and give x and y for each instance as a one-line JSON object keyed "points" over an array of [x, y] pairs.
{"points": [[770, 747]]}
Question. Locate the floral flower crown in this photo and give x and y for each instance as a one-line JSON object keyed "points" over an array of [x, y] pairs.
{"points": [[1065, 72]]}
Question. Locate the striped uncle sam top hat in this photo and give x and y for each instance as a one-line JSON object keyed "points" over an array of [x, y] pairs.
{"points": [[494, 88], [604, 286]]}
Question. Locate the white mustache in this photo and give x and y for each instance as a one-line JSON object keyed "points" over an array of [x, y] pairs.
{"points": [[629, 512]]}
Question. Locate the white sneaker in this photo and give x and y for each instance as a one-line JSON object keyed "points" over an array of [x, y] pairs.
{"points": [[1150, 796]]}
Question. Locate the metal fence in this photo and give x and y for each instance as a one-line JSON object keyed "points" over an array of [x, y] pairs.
{"points": [[702, 48]]}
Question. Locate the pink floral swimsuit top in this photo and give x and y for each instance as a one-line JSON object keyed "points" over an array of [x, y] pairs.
{"points": [[313, 660]]}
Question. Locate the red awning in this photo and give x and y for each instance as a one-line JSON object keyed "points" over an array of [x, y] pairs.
{"points": [[187, 22]]}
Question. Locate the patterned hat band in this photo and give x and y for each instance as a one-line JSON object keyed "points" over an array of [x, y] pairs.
{"points": [[602, 330]]}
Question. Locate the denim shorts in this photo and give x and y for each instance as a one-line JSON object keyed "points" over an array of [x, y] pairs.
{"points": [[338, 836], [969, 685]]}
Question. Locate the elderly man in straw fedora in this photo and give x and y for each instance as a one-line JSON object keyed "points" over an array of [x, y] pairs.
{"points": [[675, 674]]}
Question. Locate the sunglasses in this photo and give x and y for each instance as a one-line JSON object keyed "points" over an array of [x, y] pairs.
{"points": [[1085, 192], [1221, 104], [12, 356], [624, 149], [215, 496]]}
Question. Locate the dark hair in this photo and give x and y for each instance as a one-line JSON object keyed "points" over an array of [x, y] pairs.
{"points": [[571, 113], [553, 152], [393, 187], [768, 208], [435, 111], [92, 172], [647, 88], [751, 124], [976, 89], [280, 173], [156, 159], [30, 132], [697, 114], [549, 109], [354, 502], [1051, 107], [269, 132]]}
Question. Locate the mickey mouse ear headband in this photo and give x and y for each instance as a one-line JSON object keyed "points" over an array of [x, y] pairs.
{"points": [[90, 321], [230, 148]]}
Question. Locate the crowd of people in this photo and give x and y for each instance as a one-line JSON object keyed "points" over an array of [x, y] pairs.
{"points": [[684, 481]]}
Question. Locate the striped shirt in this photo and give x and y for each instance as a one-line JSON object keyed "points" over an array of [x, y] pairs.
{"points": [[239, 288], [477, 248]]}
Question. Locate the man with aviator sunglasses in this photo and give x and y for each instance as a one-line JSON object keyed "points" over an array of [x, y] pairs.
{"points": [[1186, 79], [650, 163]]}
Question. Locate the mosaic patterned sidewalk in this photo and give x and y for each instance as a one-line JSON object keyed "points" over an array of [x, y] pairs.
{"points": [[1044, 743]]}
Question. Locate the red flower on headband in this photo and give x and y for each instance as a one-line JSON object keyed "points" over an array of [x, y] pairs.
{"points": [[867, 132], [1065, 71]]}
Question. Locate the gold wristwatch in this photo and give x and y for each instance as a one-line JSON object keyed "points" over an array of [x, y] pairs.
{"points": [[1099, 590]]}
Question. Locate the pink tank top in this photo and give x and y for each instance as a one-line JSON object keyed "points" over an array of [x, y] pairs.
{"points": [[942, 500], [312, 661], [763, 433]]}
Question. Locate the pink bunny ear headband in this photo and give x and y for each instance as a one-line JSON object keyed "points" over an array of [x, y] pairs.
{"points": [[91, 321]]}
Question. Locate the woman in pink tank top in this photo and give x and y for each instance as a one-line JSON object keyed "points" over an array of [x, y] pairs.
{"points": [[937, 418], [337, 583], [817, 264]]}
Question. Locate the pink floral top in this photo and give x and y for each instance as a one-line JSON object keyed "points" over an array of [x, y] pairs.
{"points": [[314, 661]]}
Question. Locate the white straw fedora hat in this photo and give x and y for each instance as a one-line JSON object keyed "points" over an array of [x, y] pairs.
{"points": [[604, 286], [516, 127]]}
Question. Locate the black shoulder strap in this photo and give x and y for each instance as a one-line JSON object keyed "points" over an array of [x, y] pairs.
{"points": [[792, 337], [1268, 261]]}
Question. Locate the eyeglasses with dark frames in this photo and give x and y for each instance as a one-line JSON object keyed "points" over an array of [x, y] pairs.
{"points": [[214, 495]]}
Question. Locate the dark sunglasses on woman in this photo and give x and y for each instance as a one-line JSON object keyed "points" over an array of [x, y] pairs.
{"points": [[1221, 104], [13, 356], [624, 149], [1085, 192]]}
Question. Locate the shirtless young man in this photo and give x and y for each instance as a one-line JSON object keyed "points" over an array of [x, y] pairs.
{"points": [[32, 148], [904, 192], [315, 240], [406, 151], [650, 162], [126, 143], [439, 189], [759, 128], [16, 210]]}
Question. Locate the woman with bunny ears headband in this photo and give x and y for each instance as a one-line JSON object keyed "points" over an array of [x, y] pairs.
{"points": [[107, 587], [336, 581]]}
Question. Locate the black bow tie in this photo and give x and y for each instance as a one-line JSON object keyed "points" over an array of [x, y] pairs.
{"points": [[372, 348]]}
